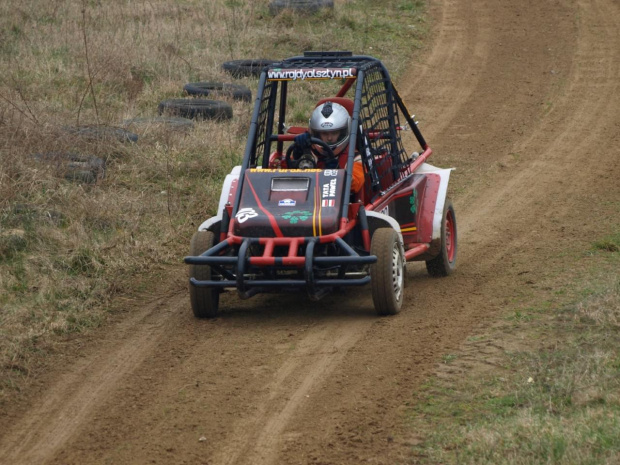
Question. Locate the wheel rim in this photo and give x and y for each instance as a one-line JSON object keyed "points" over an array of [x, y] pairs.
{"points": [[397, 272], [450, 236]]}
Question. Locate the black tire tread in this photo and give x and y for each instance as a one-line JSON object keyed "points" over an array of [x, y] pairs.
{"points": [[440, 266], [204, 300], [383, 297]]}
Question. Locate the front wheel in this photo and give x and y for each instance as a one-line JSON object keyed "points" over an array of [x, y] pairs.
{"points": [[445, 263], [387, 275], [205, 300]]}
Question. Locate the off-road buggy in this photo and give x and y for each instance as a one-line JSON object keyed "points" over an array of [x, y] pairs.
{"points": [[280, 229]]}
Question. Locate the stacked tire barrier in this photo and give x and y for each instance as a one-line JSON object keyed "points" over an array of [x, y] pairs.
{"points": [[301, 6]]}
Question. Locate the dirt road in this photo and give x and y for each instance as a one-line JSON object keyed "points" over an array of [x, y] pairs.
{"points": [[523, 99]]}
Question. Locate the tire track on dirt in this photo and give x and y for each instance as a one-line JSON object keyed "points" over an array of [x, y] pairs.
{"points": [[70, 402], [262, 439], [571, 130], [460, 52], [257, 438], [507, 216]]}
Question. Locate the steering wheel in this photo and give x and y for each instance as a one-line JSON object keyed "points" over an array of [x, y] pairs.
{"points": [[328, 153]]}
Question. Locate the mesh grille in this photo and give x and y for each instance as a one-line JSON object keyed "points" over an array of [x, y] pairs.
{"points": [[263, 116], [388, 161]]}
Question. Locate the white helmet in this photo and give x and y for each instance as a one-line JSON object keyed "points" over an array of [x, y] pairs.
{"points": [[331, 117]]}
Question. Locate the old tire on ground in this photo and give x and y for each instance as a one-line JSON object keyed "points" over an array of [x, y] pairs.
{"points": [[236, 91], [205, 300], [86, 169], [445, 263], [387, 275], [161, 122], [102, 133], [243, 68], [302, 6], [196, 108]]}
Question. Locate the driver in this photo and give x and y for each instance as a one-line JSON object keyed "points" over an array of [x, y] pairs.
{"points": [[331, 123]]}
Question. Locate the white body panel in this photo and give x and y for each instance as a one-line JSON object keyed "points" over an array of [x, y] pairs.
{"points": [[225, 197]]}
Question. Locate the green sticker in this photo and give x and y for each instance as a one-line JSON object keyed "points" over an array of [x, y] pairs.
{"points": [[413, 200], [297, 215]]}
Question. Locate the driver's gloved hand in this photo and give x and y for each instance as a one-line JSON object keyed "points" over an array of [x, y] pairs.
{"points": [[303, 140], [302, 143]]}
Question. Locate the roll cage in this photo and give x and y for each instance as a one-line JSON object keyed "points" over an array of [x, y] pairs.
{"points": [[376, 119]]}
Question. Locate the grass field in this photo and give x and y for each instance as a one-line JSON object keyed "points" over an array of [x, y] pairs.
{"points": [[541, 387]]}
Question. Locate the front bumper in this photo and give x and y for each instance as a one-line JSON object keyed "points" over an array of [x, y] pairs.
{"points": [[255, 265]]}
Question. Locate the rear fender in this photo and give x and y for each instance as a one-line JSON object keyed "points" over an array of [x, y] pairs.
{"points": [[444, 175], [442, 190]]}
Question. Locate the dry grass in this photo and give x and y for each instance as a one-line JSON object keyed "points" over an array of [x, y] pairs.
{"points": [[68, 247], [556, 403]]}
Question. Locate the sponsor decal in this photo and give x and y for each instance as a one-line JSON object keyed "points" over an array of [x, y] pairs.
{"points": [[329, 190], [413, 201], [287, 203], [245, 214], [327, 124], [279, 74], [330, 172], [328, 203], [297, 215]]}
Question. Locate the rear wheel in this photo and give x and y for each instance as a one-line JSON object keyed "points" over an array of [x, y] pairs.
{"points": [[445, 263], [388, 273], [205, 300]]}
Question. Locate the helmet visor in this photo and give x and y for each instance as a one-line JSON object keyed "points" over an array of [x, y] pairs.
{"points": [[333, 138]]}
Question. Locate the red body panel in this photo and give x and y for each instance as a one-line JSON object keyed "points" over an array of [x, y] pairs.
{"points": [[413, 207]]}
